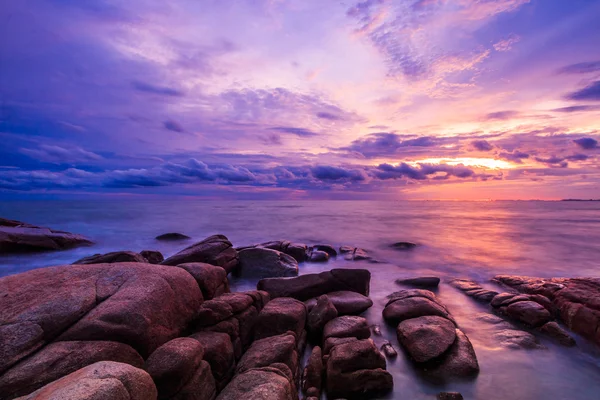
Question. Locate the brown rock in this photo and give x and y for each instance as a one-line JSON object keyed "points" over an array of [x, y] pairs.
{"points": [[555, 331], [201, 385], [142, 305], [347, 326], [331, 342], [516, 339], [260, 384], [110, 258], [211, 279], [308, 286], [346, 302], [323, 312], [102, 380], [529, 312], [360, 384], [173, 364], [213, 311], [355, 355], [279, 316], [60, 359], [426, 338], [152, 256], [408, 293], [389, 350], [271, 350], [218, 352], [19, 237], [413, 307], [318, 256], [312, 376], [261, 262], [459, 362], [215, 250]]}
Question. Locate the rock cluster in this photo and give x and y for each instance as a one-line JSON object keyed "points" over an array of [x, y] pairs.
{"points": [[355, 253], [473, 289], [19, 237], [428, 333], [216, 250]]}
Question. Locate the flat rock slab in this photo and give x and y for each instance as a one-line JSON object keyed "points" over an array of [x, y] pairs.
{"points": [[307, 286], [426, 338], [271, 350], [413, 307], [142, 305], [279, 316], [423, 281], [114, 257], [516, 339], [19, 237], [347, 326], [345, 302], [102, 380], [261, 262], [215, 250]]}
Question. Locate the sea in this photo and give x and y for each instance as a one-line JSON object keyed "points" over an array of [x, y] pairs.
{"points": [[475, 240]]}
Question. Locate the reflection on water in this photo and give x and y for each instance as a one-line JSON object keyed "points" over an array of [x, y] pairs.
{"points": [[457, 239]]}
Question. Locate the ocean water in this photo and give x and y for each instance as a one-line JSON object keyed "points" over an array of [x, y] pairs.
{"points": [[474, 240]]}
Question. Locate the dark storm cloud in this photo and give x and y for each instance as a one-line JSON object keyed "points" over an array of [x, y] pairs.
{"points": [[590, 92], [581, 68], [331, 173], [561, 161], [586, 143], [159, 90]]}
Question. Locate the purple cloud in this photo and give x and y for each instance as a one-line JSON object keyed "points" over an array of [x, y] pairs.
{"points": [[501, 115], [581, 68], [482, 145], [586, 143], [590, 92], [173, 126], [159, 90]]}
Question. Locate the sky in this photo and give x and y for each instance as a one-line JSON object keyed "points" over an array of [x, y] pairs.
{"points": [[301, 99]]}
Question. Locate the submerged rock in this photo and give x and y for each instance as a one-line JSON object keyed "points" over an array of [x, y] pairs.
{"points": [[327, 248], [19, 237], [264, 263], [517, 339], [423, 281], [102, 380], [557, 333], [388, 349], [172, 236], [110, 258], [152, 256], [459, 362], [474, 289], [318, 256], [308, 286], [215, 250], [345, 302], [404, 245], [529, 312]]}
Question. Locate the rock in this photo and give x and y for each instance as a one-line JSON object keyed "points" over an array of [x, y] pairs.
{"points": [[465, 284], [376, 330], [260, 384], [345, 302], [423, 281], [215, 250], [173, 364], [152, 256], [308, 286], [473, 289], [318, 256], [323, 312], [404, 245], [483, 295], [459, 362], [271, 350], [413, 307], [426, 338], [213, 312], [172, 236], [327, 248], [554, 330], [142, 305], [211, 279], [389, 350], [279, 316], [331, 342], [529, 312], [502, 299], [218, 352], [516, 339], [449, 396], [347, 249], [102, 380], [296, 250], [347, 326], [312, 377], [263, 263], [357, 370], [110, 258], [60, 359], [201, 385], [19, 237], [408, 293]]}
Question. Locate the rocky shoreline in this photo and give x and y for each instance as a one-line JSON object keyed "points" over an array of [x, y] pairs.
{"points": [[127, 325]]}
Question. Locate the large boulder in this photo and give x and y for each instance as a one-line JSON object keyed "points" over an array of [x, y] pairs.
{"points": [[173, 364], [323, 312], [279, 316], [215, 250], [517, 339], [413, 307], [345, 302], [271, 350], [17, 237], [347, 326], [211, 279], [459, 362], [529, 312], [218, 352], [426, 338], [260, 384], [296, 250], [307, 286], [312, 377], [102, 380], [142, 305], [110, 258], [260, 262], [60, 359]]}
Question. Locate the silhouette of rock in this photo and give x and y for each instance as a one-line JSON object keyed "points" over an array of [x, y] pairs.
{"points": [[111, 258], [20, 237], [215, 250], [172, 236], [423, 281], [152, 256], [264, 263]]}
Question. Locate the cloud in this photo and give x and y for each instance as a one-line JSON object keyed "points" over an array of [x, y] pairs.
{"points": [[581, 68], [586, 143], [561, 161], [331, 173], [385, 143], [590, 92], [301, 132], [515, 156], [173, 126], [507, 44], [61, 155], [482, 145], [159, 90], [501, 115], [573, 109], [329, 116], [404, 170]]}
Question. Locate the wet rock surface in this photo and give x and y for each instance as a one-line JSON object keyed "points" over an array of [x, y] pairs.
{"points": [[215, 250], [427, 337], [323, 312], [422, 281], [345, 302], [347, 326], [20, 237], [264, 263], [473, 289]]}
